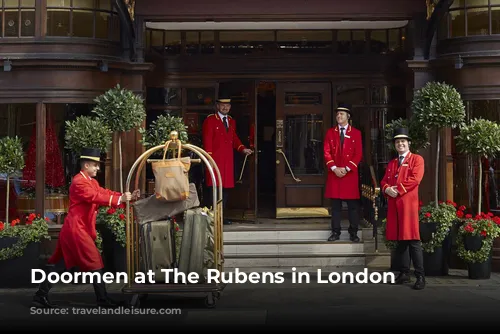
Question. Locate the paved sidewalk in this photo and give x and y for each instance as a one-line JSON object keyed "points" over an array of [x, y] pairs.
{"points": [[454, 301]]}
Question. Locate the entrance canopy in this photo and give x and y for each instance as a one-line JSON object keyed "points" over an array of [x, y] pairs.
{"points": [[273, 25]]}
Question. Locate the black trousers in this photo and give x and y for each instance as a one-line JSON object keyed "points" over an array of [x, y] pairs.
{"points": [[353, 211], [209, 198], [409, 251], [45, 287]]}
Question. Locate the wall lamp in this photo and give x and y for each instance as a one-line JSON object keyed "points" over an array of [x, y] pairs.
{"points": [[459, 63], [103, 66], [7, 65]]}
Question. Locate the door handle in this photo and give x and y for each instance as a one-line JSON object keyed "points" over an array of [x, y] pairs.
{"points": [[286, 160]]}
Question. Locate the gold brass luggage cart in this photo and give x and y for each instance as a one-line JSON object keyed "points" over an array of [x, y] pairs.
{"points": [[212, 290]]}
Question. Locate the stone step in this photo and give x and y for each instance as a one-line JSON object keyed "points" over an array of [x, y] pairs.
{"points": [[292, 248], [246, 236], [284, 262]]}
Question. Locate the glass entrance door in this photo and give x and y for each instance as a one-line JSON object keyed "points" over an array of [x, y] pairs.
{"points": [[303, 115]]}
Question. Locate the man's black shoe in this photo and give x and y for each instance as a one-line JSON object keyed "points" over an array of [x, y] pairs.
{"points": [[110, 303], [333, 237], [43, 302], [420, 283], [354, 237], [402, 279]]}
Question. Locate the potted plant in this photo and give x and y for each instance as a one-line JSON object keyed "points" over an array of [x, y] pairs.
{"points": [[112, 222], [159, 131], [436, 239], [475, 244], [20, 249], [481, 139], [122, 111], [418, 133], [86, 131], [437, 106], [11, 162]]}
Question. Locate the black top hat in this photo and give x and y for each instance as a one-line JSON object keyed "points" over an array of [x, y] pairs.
{"points": [[401, 133], [344, 107], [93, 154], [224, 97]]}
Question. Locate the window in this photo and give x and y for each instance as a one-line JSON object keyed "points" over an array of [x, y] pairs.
{"points": [[471, 18], [271, 42], [17, 18], [83, 18]]}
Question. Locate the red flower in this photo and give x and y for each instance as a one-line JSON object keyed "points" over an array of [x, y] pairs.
{"points": [[14, 222], [111, 211], [1, 226], [31, 217], [460, 214], [428, 215], [462, 208], [468, 216], [469, 228], [483, 233], [122, 216]]}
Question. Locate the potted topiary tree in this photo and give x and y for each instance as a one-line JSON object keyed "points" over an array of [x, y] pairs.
{"points": [[418, 133], [122, 111], [159, 132], [86, 131], [11, 162], [481, 139], [437, 106]]}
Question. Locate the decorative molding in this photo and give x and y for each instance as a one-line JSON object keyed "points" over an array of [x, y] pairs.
{"points": [[419, 65]]}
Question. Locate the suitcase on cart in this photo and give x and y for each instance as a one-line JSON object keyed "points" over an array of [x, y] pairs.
{"points": [[196, 253], [157, 242]]}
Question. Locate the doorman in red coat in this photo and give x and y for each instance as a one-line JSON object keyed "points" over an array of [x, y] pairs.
{"points": [[400, 185], [343, 152], [220, 140], [76, 244]]}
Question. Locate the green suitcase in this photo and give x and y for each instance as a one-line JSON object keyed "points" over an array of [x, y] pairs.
{"points": [[157, 248]]}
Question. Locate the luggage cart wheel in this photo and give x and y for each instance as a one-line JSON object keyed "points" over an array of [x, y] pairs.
{"points": [[135, 301], [210, 300]]}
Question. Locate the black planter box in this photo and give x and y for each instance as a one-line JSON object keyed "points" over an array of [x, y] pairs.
{"points": [[16, 272], [113, 254], [426, 231]]}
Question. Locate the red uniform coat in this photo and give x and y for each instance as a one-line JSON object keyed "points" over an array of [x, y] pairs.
{"points": [[349, 155], [76, 242], [402, 213], [220, 144]]}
